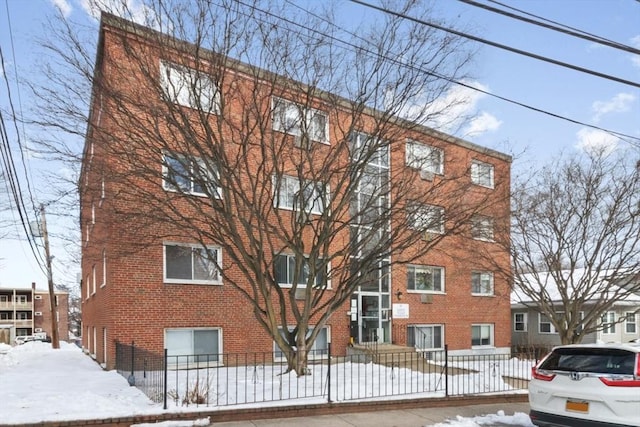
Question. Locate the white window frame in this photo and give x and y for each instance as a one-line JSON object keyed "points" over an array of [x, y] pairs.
{"points": [[173, 361], [522, 322], [93, 279], [190, 88], [192, 281], [313, 353], [552, 328], [425, 269], [197, 167], [424, 157], [104, 268], [22, 315], [288, 117], [426, 218], [631, 323], [289, 284], [432, 327], [482, 174], [609, 318], [482, 228], [483, 328], [484, 290], [285, 196]]}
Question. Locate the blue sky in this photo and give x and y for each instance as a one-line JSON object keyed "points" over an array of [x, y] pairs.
{"points": [[533, 138]]}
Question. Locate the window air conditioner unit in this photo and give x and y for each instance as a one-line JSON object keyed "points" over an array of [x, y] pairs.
{"points": [[426, 298], [426, 175], [301, 141], [300, 293], [427, 236]]}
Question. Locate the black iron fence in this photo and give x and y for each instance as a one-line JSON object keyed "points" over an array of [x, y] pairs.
{"points": [[249, 378]]}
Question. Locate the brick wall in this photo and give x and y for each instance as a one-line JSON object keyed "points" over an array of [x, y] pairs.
{"points": [[134, 303]]}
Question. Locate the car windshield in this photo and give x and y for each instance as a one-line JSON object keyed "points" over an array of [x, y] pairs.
{"points": [[595, 360]]}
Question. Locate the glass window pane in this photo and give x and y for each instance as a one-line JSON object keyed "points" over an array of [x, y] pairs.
{"points": [[205, 342], [177, 174], [178, 262], [280, 266], [179, 342], [204, 264]]}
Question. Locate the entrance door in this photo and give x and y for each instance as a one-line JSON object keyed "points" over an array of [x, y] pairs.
{"points": [[369, 317]]}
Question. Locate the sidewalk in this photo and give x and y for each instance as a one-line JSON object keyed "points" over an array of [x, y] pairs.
{"points": [[414, 417]]}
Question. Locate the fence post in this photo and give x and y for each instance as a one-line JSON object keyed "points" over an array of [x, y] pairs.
{"points": [[446, 370], [165, 379], [132, 378], [329, 372]]}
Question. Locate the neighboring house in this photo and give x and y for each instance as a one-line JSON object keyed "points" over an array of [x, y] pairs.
{"points": [[444, 299], [530, 328], [25, 311]]}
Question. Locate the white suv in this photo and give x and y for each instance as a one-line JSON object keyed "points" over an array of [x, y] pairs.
{"points": [[587, 386]]}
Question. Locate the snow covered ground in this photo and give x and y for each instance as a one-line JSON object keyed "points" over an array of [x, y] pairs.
{"points": [[40, 384]]}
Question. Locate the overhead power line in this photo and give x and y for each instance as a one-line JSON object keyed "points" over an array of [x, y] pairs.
{"points": [[499, 45], [431, 72], [552, 25]]}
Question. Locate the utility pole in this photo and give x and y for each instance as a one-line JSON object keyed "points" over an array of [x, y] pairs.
{"points": [[55, 339]]}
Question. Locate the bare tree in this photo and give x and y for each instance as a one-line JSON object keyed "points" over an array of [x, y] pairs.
{"points": [[240, 156], [576, 240]]}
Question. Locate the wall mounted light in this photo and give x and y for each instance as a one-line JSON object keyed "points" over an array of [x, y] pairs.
{"points": [[399, 294]]}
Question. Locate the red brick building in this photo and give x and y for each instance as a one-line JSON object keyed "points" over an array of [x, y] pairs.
{"points": [[144, 278]]}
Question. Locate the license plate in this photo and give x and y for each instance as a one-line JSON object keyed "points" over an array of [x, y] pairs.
{"points": [[577, 406]]}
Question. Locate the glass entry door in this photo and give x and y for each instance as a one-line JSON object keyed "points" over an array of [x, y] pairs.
{"points": [[369, 318]]}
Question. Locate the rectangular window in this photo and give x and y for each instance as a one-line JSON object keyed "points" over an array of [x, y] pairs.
{"points": [[191, 175], [370, 150], [188, 87], [192, 264], [520, 322], [284, 270], [426, 218], [425, 279], [482, 335], [482, 174], [4, 298], [425, 337], [104, 268], [22, 316], [319, 349], [630, 322], [544, 325], [295, 119], [5, 315], [193, 345], [288, 195], [609, 323], [424, 157], [20, 299], [482, 228], [93, 279], [481, 283]]}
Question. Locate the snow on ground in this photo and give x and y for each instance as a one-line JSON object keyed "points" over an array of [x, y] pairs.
{"points": [[40, 384]]}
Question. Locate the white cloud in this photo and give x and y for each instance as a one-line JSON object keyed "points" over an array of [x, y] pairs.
{"points": [[595, 141], [451, 111], [134, 10], [63, 5], [484, 122], [635, 59], [618, 104]]}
